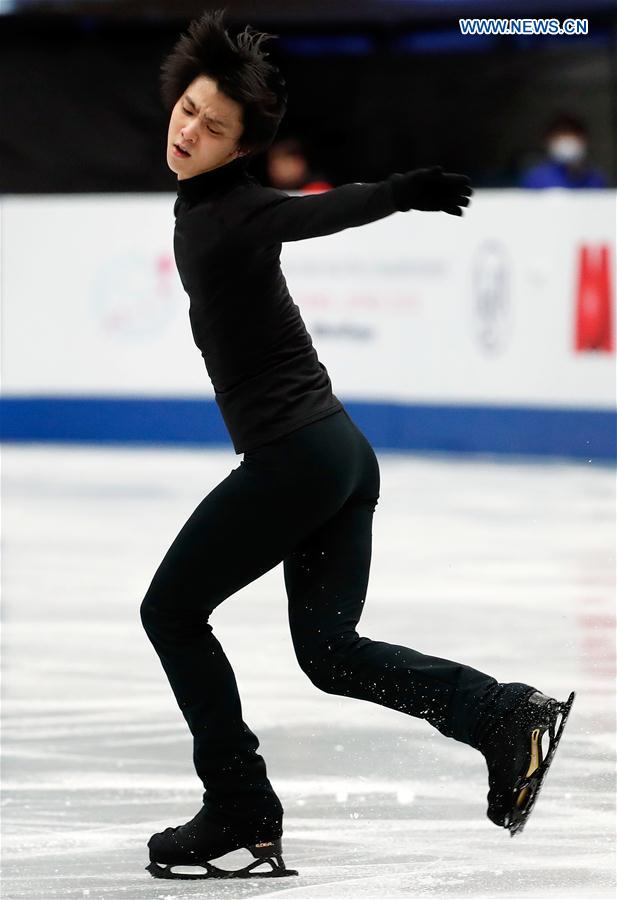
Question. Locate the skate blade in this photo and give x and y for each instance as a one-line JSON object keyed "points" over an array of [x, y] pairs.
{"points": [[528, 788], [166, 870]]}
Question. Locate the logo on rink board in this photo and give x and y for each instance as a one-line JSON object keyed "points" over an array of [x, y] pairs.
{"points": [[594, 315], [134, 295], [491, 297]]}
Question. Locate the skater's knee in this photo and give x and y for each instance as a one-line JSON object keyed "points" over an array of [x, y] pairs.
{"points": [[147, 610], [150, 612], [153, 606], [157, 612], [327, 665], [312, 664], [323, 679], [318, 675]]}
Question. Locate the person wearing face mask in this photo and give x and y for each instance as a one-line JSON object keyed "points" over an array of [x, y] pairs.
{"points": [[566, 142]]}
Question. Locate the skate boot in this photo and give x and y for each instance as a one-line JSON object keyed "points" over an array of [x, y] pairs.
{"points": [[205, 838], [514, 754]]}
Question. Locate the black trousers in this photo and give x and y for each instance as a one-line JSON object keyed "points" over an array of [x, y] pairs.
{"points": [[307, 500]]}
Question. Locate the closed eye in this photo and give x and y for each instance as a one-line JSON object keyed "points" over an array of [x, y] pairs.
{"points": [[189, 112]]}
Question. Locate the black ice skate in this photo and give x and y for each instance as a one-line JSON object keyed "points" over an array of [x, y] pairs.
{"points": [[203, 839], [516, 766]]}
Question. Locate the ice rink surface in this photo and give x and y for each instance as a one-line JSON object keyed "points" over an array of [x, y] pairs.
{"points": [[506, 566]]}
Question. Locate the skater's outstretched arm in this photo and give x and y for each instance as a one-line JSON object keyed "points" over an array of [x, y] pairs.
{"points": [[271, 214]]}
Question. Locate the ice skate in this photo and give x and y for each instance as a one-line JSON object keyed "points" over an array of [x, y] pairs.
{"points": [[514, 754], [203, 839]]}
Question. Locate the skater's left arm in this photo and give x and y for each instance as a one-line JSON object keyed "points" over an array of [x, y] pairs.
{"points": [[278, 216], [272, 214]]}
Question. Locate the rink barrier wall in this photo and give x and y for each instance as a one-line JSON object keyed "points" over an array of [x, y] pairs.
{"points": [[489, 334], [585, 434]]}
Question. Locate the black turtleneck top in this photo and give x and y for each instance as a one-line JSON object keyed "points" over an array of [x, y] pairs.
{"points": [[260, 358]]}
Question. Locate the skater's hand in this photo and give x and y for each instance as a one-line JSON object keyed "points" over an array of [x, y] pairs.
{"points": [[431, 189]]}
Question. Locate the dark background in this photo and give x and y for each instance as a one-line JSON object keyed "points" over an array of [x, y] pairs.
{"points": [[375, 86]]}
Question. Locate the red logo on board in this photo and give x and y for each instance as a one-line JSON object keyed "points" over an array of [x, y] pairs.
{"points": [[594, 300]]}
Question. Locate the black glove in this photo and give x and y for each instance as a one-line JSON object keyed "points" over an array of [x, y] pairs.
{"points": [[431, 189]]}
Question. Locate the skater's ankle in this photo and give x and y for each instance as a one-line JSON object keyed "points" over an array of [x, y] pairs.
{"points": [[501, 712], [245, 809]]}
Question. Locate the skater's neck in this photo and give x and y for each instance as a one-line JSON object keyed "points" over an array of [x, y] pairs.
{"points": [[199, 186]]}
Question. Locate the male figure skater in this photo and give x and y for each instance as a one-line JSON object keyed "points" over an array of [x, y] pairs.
{"points": [[306, 489]]}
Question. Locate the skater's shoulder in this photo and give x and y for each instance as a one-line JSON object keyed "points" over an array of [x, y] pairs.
{"points": [[201, 226]]}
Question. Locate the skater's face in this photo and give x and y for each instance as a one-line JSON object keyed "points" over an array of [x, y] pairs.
{"points": [[207, 124]]}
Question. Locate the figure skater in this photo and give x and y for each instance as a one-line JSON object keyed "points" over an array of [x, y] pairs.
{"points": [[305, 491]]}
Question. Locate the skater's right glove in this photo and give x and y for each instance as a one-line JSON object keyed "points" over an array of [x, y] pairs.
{"points": [[431, 189]]}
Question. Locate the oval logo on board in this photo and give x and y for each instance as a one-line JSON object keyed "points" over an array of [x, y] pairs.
{"points": [[491, 302]]}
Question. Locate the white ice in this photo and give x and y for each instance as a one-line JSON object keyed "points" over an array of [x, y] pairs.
{"points": [[506, 566]]}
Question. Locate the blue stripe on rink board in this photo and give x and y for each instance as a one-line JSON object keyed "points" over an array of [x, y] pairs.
{"points": [[578, 433]]}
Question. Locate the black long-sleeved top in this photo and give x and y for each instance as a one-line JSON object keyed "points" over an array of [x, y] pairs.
{"points": [[260, 358]]}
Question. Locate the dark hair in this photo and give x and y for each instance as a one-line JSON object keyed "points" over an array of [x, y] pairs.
{"points": [[240, 69], [564, 122], [289, 146]]}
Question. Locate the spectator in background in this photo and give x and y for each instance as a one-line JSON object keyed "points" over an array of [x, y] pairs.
{"points": [[566, 141], [288, 168]]}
